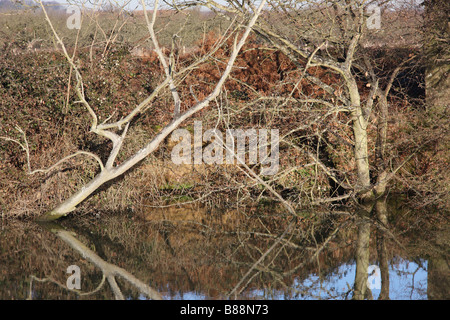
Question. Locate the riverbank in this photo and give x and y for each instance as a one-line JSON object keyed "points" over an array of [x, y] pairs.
{"points": [[38, 101]]}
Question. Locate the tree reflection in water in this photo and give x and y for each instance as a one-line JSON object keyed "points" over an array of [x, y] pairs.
{"points": [[109, 271], [188, 253]]}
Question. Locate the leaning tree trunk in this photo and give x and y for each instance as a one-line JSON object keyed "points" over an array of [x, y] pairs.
{"points": [[109, 172]]}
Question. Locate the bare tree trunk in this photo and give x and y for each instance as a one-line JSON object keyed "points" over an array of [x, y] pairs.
{"points": [[110, 172], [359, 125], [380, 187], [361, 154], [437, 81]]}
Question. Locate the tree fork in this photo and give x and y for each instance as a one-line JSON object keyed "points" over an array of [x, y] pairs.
{"points": [[109, 172]]}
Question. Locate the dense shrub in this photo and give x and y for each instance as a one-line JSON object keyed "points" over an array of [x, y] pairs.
{"points": [[36, 96]]}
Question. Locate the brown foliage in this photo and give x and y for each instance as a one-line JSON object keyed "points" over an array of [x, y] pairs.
{"points": [[259, 71], [34, 86]]}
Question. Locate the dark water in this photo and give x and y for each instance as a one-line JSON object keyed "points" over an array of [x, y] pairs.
{"points": [[192, 253]]}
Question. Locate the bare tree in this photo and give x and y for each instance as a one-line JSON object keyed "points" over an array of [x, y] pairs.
{"points": [[335, 37], [437, 30], [117, 131]]}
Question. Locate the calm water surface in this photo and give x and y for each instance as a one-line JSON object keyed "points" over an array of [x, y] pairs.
{"points": [[192, 253]]}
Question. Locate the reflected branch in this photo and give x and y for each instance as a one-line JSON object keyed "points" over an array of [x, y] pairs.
{"points": [[50, 279], [110, 271], [261, 259]]}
